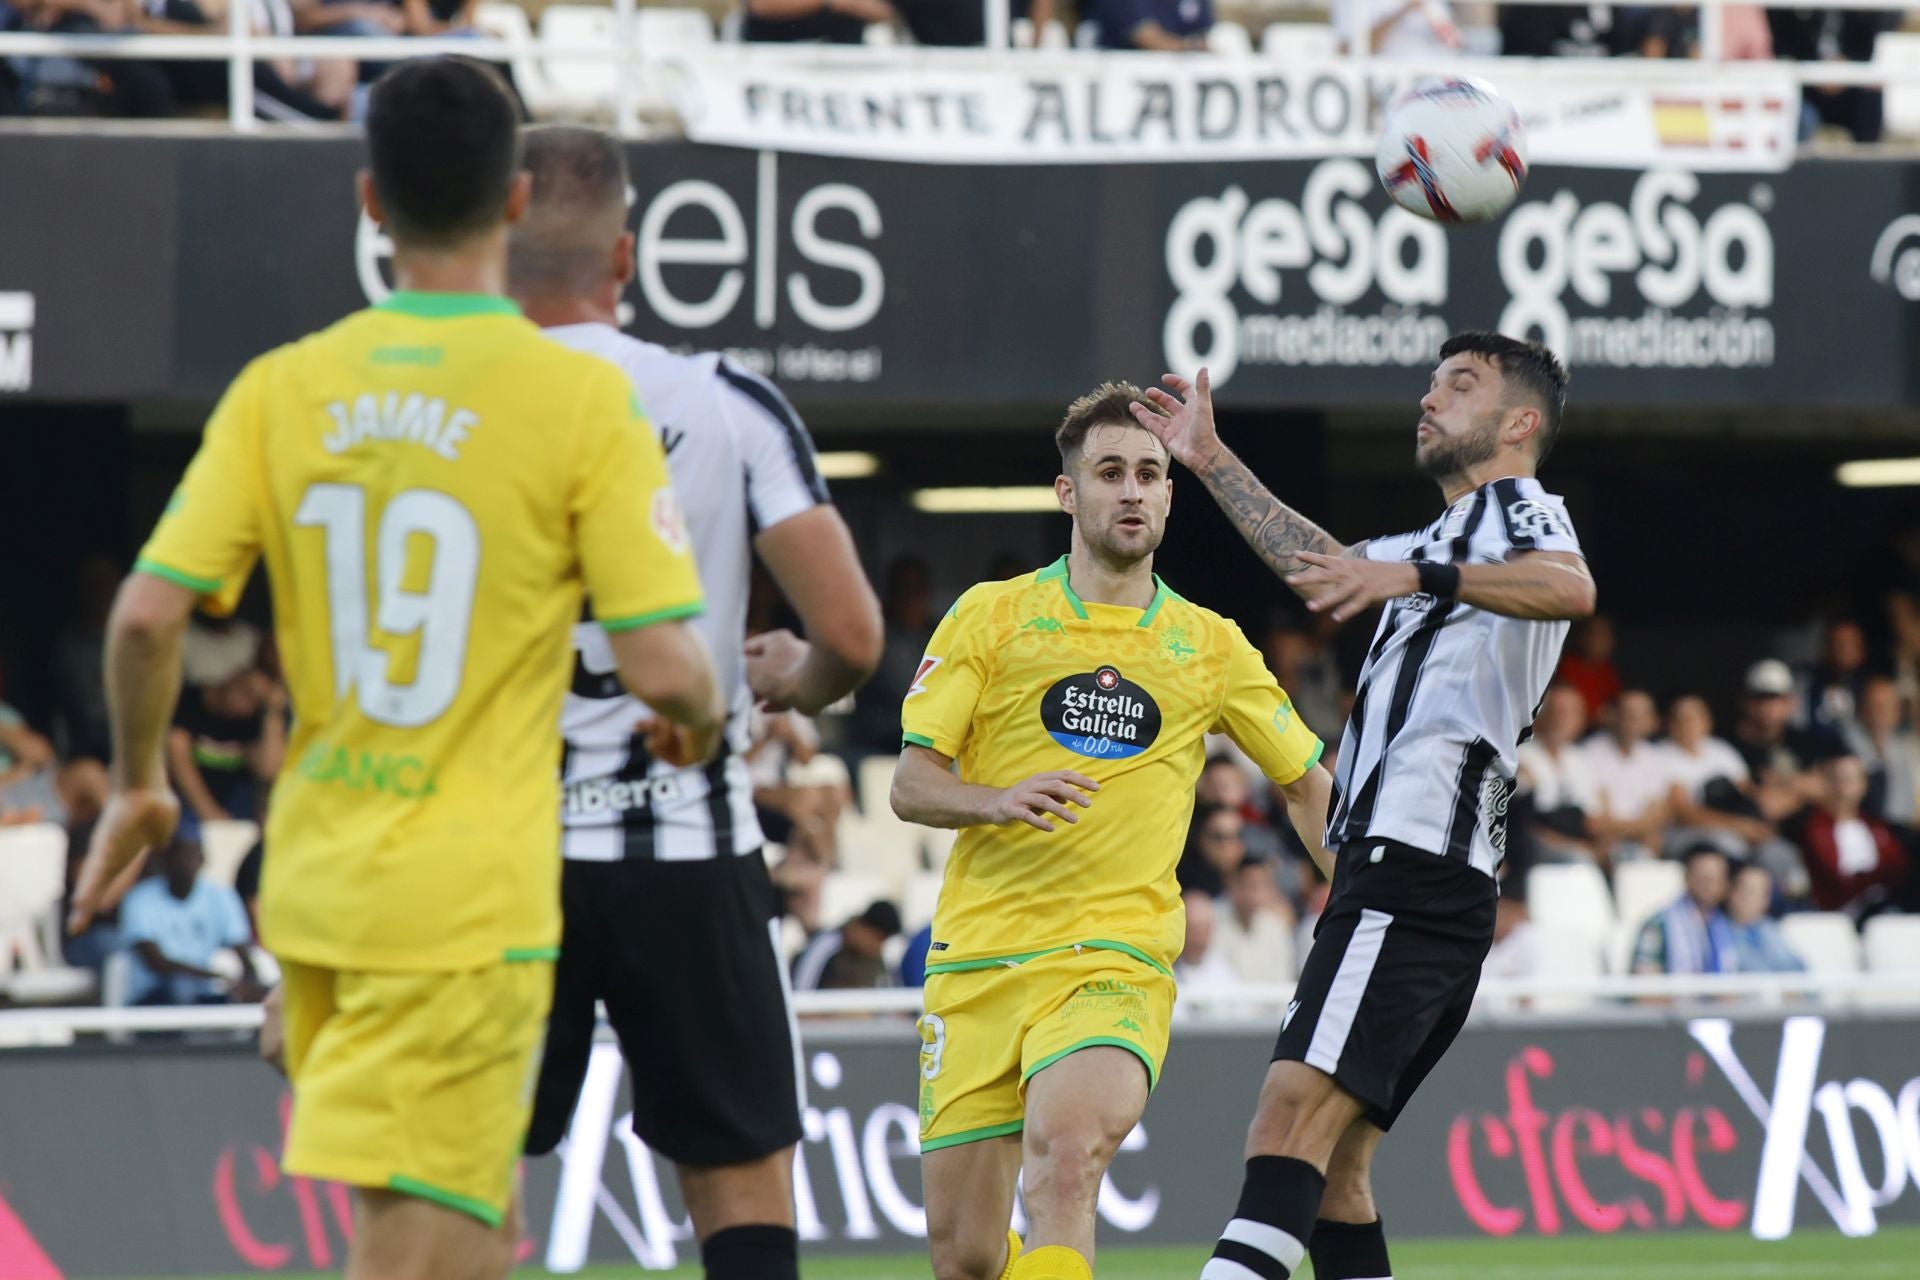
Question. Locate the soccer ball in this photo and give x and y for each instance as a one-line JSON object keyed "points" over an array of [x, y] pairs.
{"points": [[1451, 150]]}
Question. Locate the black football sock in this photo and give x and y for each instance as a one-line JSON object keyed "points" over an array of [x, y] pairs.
{"points": [[752, 1253], [1349, 1251], [1267, 1239]]}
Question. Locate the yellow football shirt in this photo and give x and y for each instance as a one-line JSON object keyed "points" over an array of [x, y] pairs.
{"points": [[433, 484], [1023, 677]]}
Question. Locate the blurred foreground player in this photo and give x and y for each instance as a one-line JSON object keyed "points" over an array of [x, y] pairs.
{"points": [[1075, 701], [432, 485], [670, 915], [1478, 606]]}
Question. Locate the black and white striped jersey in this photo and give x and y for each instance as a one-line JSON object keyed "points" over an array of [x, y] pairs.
{"points": [[741, 461], [1448, 692]]}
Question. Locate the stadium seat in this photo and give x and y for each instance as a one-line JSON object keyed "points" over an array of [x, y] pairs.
{"points": [[1054, 35], [1891, 944], [1566, 953], [1086, 35], [887, 851], [33, 878], [1020, 33], [660, 31], [845, 894], [1230, 40], [1300, 42], [1644, 887], [226, 845], [1826, 940], [919, 900], [880, 35], [508, 23], [1571, 899], [574, 86], [938, 845], [1898, 54], [874, 777]]}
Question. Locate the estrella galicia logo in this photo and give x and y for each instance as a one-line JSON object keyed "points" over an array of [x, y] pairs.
{"points": [[1101, 714]]}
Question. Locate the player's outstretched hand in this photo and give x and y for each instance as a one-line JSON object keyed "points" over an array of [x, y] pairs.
{"points": [[1348, 585], [1045, 793], [1184, 420], [134, 821], [774, 662], [677, 744]]}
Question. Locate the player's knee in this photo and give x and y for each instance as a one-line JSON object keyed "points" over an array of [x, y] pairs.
{"points": [[1348, 1197], [1065, 1167], [966, 1259], [1301, 1113]]}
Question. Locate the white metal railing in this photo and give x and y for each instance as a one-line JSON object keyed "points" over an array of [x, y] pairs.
{"points": [[1648, 993], [241, 46]]}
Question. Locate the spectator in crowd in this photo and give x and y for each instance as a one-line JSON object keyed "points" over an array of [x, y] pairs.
{"points": [[913, 961], [1214, 850], [1779, 756], [1226, 782], [1253, 925], [1692, 935], [1891, 753], [1903, 643], [1833, 687], [1587, 664], [817, 21], [1632, 778], [1834, 35], [1710, 791], [799, 791], [36, 787], [1303, 661], [79, 656], [1398, 28], [1202, 962], [1854, 863], [1758, 944], [849, 958], [908, 604], [1557, 781], [285, 89], [176, 923], [227, 744], [1164, 26]]}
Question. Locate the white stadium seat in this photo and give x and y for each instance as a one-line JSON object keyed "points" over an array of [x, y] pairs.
{"points": [[845, 894], [664, 30], [33, 877], [1299, 41], [1572, 899], [887, 851], [572, 85], [1826, 940], [917, 903], [875, 779], [1644, 887], [1891, 944], [1054, 35], [1898, 53], [226, 845], [1230, 40], [508, 22], [1566, 953]]}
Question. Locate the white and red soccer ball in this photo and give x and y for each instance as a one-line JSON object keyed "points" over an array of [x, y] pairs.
{"points": [[1451, 149]]}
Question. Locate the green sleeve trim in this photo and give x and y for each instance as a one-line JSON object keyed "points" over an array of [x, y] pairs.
{"points": [[634, 621], [1008, 961], [1153, 1072], [917, 740], [450, 1199], [205, 586], [1319, 749], [525, 955], [973, 1135]]}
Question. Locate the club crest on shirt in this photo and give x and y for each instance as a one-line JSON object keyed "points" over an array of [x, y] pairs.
{"points": [[1455, 523], [1100, 714], [1530, 519]]}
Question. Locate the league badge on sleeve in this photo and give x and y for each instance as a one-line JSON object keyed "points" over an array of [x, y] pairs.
{"points": [[927, 665]]}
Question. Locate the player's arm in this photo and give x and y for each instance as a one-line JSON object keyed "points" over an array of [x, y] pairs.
{"points": [[1308, 798], [812, 558], [668, 666], [1537, 585], [927, 791], [1277, 533]]}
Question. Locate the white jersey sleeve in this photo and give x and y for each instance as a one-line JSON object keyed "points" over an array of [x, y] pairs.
{"points": [[783, 478]]}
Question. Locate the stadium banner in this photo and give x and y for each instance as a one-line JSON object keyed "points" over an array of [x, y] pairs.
{"points": [[164, 1160], [896, 289], [1155, 108]]}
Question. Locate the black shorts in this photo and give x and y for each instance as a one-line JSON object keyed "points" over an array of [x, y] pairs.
{"points": [[684, 955], [1395, 962]]}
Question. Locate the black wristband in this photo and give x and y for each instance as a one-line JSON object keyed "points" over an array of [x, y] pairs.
{"points": [[1441, 581]]}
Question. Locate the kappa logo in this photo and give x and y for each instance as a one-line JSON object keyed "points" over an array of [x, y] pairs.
{"points": [[1530, 519], [927, 666], [1128, 1024]]}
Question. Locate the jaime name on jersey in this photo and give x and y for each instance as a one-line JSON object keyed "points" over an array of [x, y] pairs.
{"points": [[1100, 714]]}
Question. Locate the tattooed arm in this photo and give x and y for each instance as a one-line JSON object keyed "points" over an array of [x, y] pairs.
{"points": [[1276, 532]]}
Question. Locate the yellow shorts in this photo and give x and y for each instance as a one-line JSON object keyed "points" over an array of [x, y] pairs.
{"points": [[420, 1083], [988, 1030]]}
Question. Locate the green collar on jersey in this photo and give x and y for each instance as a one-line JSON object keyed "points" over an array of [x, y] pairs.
{"points": [[447, 306], [1057, 571]]}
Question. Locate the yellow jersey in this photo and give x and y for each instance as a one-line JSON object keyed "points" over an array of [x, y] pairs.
{"points": [[433, 485], [1024, 677]]}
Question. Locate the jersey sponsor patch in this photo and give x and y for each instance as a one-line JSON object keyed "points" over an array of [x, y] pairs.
{"points": [[927, 666], [1530, 519], [1101, 714]]}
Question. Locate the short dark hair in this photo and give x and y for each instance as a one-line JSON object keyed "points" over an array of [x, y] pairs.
{"points": [[579, 202], [1529, 368], [444, 137], [1107, 404]]}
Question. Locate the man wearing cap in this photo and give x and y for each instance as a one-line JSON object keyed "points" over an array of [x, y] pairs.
{"points": [[1778, 753], [849, 957]]}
